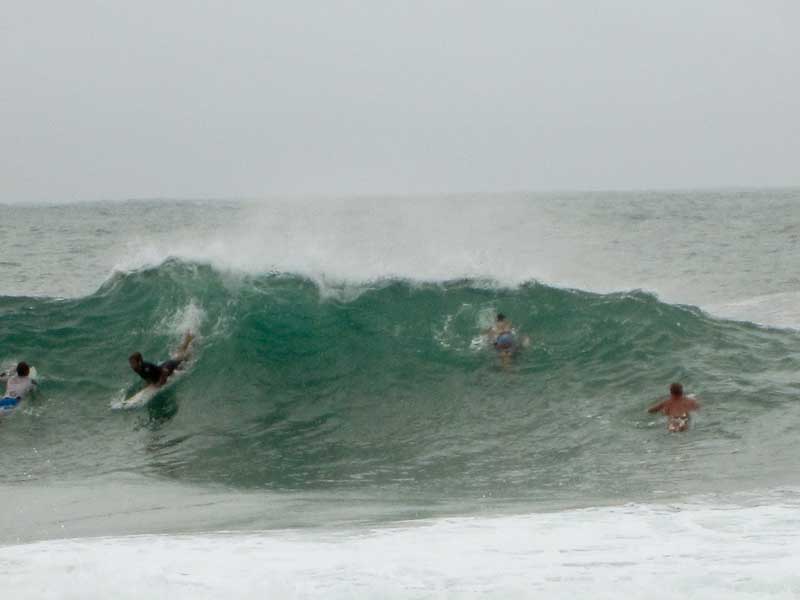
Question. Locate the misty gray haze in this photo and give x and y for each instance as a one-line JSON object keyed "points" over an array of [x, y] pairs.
{"points": [[112, 100]]}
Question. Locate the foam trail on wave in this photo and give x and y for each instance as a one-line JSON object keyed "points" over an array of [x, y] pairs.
{"points": [[189, 318]]}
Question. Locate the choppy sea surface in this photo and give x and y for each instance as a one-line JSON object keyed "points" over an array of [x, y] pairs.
{"points": [[344, 430]]}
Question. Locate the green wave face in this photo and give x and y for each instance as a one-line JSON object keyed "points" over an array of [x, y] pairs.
{"points": [[388, 388]]}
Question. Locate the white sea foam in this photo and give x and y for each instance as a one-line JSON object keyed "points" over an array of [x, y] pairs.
{"points": [[636, 551], [596, 243], [363, 240], [188, 318], [717, 250]]}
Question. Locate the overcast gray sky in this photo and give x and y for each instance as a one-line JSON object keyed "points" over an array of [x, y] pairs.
{"points": [[120, 99]]}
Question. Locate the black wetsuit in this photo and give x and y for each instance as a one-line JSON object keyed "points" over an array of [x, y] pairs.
{"points": [[149, 372], [152, 373]]}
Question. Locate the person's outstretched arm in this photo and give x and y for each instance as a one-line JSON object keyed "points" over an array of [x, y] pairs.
{"points": [[656, 407]]}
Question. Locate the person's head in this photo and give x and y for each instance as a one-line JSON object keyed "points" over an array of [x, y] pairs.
{"points": [[23, 369], [500, 317], [135, 361], [676, 389]]}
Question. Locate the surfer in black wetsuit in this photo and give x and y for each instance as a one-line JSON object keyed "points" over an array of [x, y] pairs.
{"points": [[158, 374]]}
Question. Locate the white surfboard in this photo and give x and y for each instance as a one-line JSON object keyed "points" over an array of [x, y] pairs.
{"points": [[145, 395], [139, 399]]}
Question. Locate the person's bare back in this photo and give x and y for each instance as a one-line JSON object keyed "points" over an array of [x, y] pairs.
{"points": [[677, 408]]}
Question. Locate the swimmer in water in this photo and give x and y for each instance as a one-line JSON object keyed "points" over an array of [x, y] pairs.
{"points": [[677, 408], [18, 386], [504, 338], [158, 374], [501, 334]]}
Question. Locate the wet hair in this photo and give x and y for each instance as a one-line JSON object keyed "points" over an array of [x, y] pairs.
{"points": [[676, 389], [23, 369], [137, 356], [501, 317]]}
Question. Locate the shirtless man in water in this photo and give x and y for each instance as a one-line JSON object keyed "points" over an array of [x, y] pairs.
{"points": [[504, 339], [501, 334], [677, 408]]}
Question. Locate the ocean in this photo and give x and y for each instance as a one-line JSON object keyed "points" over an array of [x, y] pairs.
{"points": [[343, 430]]}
